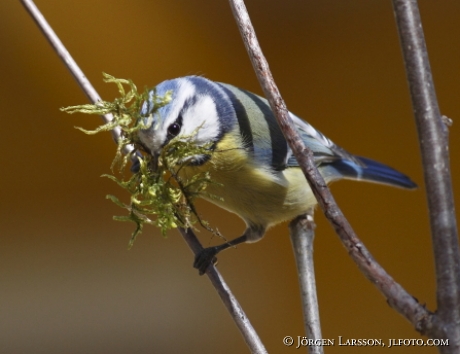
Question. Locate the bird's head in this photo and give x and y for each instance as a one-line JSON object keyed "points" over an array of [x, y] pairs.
{"points": [[198, 110]]}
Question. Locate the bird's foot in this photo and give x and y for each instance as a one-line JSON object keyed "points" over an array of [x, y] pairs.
{"points": [[205, 258]]}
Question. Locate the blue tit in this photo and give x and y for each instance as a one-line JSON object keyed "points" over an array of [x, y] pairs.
{"points": [[258, 177]]}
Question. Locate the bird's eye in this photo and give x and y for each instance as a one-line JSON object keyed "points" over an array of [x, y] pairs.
{"points": [[173, 130]]}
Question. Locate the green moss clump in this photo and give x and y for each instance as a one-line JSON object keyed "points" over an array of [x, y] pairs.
{"points": [[158, 195]]}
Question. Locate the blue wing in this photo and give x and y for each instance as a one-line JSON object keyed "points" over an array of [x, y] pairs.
{"points": [[369, 170], [336, 163]]}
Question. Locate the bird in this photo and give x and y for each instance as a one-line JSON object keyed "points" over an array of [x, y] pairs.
{"points": [[258, 178]]}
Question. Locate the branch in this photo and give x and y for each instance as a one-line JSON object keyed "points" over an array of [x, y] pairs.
{"points": [[433, 137], [230, 302], [70, 63], [236, 312], [302, 235], [397, 297]]}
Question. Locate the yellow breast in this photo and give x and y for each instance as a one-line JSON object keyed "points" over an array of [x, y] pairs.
{"points": [[257, 195]]}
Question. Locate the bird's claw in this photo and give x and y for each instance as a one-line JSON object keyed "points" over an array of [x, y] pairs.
{"points": [[204, 259]]}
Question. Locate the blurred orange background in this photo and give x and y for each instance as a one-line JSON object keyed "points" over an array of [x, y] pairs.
{"points": [[68, 283]]}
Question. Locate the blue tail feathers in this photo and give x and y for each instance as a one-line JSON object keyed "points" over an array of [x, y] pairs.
{"points": [[372, 171]]}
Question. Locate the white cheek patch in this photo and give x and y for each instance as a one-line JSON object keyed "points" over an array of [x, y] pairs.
{"points": [[202, 116]]}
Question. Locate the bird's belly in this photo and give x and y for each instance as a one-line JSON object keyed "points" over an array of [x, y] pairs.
{"points": [[259, 197]]}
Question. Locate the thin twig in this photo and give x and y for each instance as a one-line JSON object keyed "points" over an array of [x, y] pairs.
{"points": [[70, 63], [236, 312], [230, 302], [433, 137], [302, 232], [397, 297]]}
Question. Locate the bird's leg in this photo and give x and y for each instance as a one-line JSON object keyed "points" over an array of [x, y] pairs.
{"points": [[207, 255]]}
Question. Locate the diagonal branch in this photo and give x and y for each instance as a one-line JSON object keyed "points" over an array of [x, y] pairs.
{"points": [[397, 297], [236, 312], [234, 308], [433, 137], [65, 56]]}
